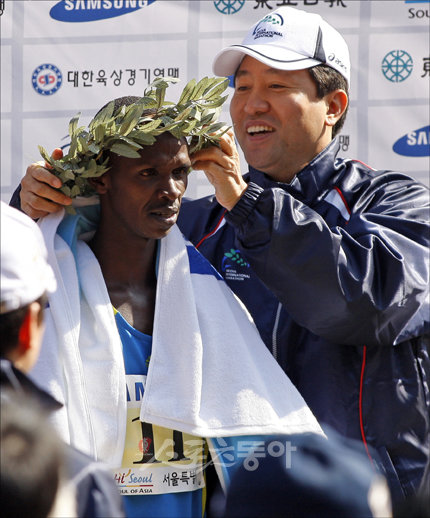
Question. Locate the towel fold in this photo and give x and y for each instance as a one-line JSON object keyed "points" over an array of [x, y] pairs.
{"points": [[210, 374], [208, 353]]}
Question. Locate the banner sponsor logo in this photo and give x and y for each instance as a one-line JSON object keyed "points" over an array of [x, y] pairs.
{"points": [[46, 79], [229, 6], [344, 142], [76, 11], [397, 66], [420, 11], [415, 143]]}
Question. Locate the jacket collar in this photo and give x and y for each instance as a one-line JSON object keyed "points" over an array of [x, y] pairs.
{"points": [[15, 380], [309, 183]]}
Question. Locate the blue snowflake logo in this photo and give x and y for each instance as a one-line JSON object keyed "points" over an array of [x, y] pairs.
{"points": [[397, 66], [229, 6]]}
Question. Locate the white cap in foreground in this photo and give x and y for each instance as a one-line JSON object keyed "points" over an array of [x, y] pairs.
{"points": [[25, 272]]}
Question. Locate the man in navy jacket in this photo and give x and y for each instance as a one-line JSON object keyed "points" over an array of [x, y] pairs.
{"points": [[329, 255]]}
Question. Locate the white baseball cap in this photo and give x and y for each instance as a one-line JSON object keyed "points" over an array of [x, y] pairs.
{"points": [[288, 39], [25, 272]]}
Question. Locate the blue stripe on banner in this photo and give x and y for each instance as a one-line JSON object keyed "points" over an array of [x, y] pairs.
{"points": [[198, 264]]}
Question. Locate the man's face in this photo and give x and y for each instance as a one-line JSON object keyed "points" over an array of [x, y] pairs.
{"points": [[143, 195], [278, 119]]}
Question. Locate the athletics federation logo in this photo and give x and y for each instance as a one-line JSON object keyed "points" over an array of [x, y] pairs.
{"points": [[229, 6], [397, 66], [47, 79]]}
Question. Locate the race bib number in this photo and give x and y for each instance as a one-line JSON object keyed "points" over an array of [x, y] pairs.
{"points": [[157, 460]]}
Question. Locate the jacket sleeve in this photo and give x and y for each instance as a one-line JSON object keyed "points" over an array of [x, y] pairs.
{"points": [[15, 201], [97, 495], [364, 283]]}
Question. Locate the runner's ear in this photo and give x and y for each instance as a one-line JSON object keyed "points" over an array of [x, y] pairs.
{"points": [[100, 184]]}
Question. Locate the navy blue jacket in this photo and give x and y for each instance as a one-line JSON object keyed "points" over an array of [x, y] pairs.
{"points": [[334, 268]]}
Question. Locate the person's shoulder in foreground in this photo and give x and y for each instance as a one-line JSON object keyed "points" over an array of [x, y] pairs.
{"points": [[78, 485], [308, 477]]}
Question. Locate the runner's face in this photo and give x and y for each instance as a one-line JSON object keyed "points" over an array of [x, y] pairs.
{"points": [[143, 195]]}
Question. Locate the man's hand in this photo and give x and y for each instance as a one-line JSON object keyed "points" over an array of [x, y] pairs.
{"points": [[222, 168], [39, 196]]}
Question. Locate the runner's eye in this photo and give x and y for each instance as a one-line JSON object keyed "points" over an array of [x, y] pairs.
{"points": [[148, 172]]}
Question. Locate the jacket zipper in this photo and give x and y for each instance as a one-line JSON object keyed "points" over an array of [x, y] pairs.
{"points": [[275, 332]]}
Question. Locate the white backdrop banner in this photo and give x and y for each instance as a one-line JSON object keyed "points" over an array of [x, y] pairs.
{"points": [[59, 58]]}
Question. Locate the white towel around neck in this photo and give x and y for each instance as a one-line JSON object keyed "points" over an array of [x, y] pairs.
{"points": [[210, 374]]}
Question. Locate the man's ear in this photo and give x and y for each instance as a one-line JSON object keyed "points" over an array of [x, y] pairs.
{"points": [[24, 337], [100, 184], [337, 103], [26, 353]]}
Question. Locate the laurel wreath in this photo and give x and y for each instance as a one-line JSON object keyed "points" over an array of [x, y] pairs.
{"points": [[130, 128]]}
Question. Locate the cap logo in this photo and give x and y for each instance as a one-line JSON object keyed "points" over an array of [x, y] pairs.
{"points": [[333, 59], [262, 32]]}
